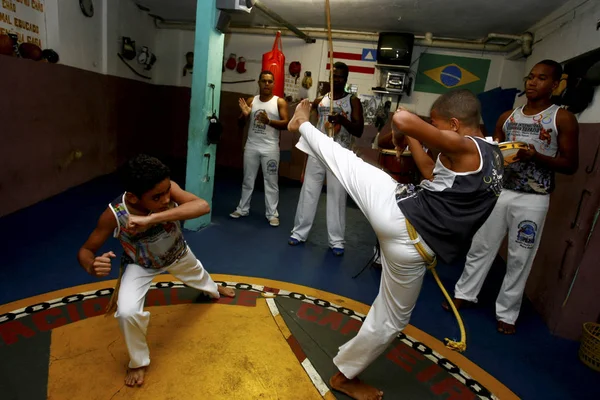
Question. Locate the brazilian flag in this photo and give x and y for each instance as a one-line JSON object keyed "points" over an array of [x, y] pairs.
{"points": [[439, 74]]}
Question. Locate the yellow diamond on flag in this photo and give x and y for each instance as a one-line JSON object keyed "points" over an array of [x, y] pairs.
{"points": [[451, 76]]}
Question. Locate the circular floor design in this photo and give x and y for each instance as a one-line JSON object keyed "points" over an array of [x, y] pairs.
{"points": [[278, 343]]}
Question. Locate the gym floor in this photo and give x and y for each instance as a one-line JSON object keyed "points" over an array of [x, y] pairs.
{"points": [[41, 242]]}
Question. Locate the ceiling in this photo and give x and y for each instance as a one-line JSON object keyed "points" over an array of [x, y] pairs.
{"points": [[464, 19]]}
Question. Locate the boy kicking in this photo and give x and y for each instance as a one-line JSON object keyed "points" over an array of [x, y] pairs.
{"points": [[446, 211], [146, 220]]}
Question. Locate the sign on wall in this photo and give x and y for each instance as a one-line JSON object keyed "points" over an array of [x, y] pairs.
{"points": [[439, 74], [26, 19], [359, 58]]}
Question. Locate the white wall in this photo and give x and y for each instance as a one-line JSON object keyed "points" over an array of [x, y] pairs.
{"points": [[76, 38], [93, 43], [125, 19], [562, 39], [313, 57], [172, 45]]}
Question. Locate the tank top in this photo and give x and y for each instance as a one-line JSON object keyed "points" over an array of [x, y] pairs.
{"points": [[539, 130], [262, 136], [157, 247], [448, 211], [344, 138]]}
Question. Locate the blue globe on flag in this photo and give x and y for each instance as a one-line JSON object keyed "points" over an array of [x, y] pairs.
{"points": [[451, 75]]}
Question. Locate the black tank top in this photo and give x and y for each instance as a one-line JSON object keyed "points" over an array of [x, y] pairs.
{"points": [[448, 211]]}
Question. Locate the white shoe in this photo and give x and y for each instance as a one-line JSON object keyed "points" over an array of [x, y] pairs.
{"points": [[236, 214], [274, 221]]}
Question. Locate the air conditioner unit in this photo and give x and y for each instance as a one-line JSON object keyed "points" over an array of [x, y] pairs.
{"points": [[234, 5]]}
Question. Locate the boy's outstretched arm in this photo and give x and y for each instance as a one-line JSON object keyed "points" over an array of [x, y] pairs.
{"points": [[98, 266], [447, 142], [190, 206]]}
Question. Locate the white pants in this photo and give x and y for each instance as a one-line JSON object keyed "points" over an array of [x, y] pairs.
{"points": [[136, 280], [309, 200], [523, 216], [268, 159], [402, 267]]}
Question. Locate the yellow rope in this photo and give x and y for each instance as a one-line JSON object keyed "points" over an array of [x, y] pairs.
{"points": [[431, 263]]}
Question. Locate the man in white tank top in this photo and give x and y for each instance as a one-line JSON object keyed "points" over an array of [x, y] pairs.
{"points": [[552, 135], [348, 122], [268, 115]]}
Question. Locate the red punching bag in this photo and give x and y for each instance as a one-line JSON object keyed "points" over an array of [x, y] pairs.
{"points": [[274, 61]]}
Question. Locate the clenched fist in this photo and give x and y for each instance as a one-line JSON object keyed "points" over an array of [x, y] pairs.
{"points": [[101, 266]]}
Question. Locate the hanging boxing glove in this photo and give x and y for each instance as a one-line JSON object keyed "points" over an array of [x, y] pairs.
{"points": [[241, 67], [231, 63], [294, 69], [307, 80]]}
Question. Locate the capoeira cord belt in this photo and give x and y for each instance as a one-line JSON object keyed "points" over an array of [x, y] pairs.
{"points": [[112, 303], [431, 263]]}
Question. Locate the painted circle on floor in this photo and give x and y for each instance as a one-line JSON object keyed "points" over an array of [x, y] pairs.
{"points": [[280, 337]]}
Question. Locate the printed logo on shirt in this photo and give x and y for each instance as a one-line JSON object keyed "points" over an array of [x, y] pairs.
{"points": [[495, 180], [531, 132], [404, 190], [272, 167], [257, 123], [526, 233], [324, 110]]}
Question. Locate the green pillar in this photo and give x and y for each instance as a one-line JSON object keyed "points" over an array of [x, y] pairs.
{"points": [[208, 59]]}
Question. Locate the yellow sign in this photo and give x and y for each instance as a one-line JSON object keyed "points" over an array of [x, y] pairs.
{"points": [[24, 18]]}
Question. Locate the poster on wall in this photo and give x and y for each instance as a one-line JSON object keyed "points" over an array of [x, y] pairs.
{"points": [[26, 19], [291, 86], [370, 104], [439, 74]]}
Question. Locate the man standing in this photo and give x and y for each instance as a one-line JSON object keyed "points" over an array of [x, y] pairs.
{"points": [[346, 121], [268, 115], [552, 135]]}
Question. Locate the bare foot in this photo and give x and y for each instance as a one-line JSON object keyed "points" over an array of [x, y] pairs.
{"points": [[354, 388], [226, 291], [505, 328], [458, 303], [301, 115], [135, 376]]}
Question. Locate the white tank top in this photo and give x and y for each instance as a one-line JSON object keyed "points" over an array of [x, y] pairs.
{"points": [[261, 136], [541, 131], [344, 104]]}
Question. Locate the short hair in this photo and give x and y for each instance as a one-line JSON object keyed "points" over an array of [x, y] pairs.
{"points": [[142, 173], [557, 69], [342, 67], [461, 104], [265, 72]]}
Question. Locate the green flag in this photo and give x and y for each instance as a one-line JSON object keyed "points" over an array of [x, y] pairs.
{"points": [[438, 74]]}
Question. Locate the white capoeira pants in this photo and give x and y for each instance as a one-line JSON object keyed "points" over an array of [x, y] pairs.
{"points": [[314, 176], [402, 267], [523, 216], [268, 160], [136, 280]]}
